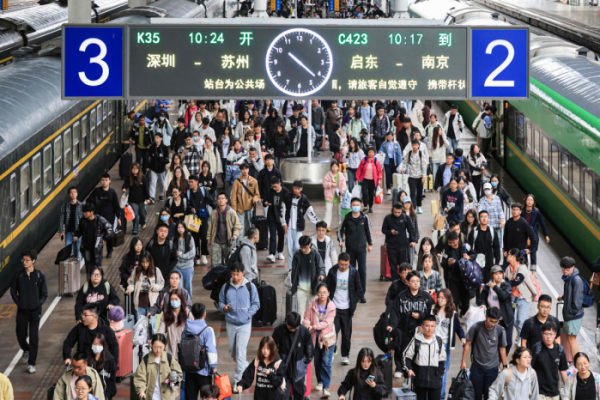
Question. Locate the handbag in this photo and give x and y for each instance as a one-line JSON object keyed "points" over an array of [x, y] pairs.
{"points": [[328, 340], [339, 157], [439, 223], [224, 384], [129, 214], [435, 207], [192, 222]]}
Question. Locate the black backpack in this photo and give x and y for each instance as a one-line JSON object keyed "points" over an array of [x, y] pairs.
{"points": [[418, 348], [380, 333], [235, 256], [192, 353]]}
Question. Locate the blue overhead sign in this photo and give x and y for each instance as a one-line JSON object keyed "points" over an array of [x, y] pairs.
{"points": [[500, 63], [92, 62]]}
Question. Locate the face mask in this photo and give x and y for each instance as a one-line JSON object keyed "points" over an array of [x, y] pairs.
{"points": [[355, 209], [164, 218], [175, 303], [353, 104], [196, 139], [494, 184], [488, 192], [97, 349], [162, 118]]}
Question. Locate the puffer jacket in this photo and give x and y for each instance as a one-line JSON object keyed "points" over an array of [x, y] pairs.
{"points": [[517, 389], [324, 327], [328, 182], [429, 363]]}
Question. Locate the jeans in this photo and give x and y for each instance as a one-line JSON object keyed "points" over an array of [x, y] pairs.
{"points": [[154, 177], [238, 336], [498, 232], [292, 238], [358, 259], [482, 380], [521, 314], [453, 145], [533, 259], [140, 157], [29, 319], [322, 363], [390, 168], [351, 178], [246, 222], [69, 240], [446, 368], [343, 322], [187, 275], [142, 311], [92, 257], [139, 209], [304, 299], [276, 238], [329, 211], [416, 190], [220, 254]]}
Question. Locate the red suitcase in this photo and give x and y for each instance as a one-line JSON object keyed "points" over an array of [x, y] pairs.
{"points": [[125, 366], [307, 382], [384, 265]]}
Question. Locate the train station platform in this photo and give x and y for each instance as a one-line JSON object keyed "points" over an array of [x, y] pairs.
{"points": [[59, 317], [578, 24]]}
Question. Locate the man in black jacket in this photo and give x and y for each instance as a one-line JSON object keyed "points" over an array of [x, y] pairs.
{"points": [[265, 175], [29, 292], [84, 334], [158, 158], [93, 229], [399, 237], [71, 213], [516, 232], [444, 174], [407, 313], [162, 250], [219, 123], [106, 202], [398, 286], [344, 290], [141, 136], [300, 353], [198, 199], [179, 135], [453, 252], [407, 133], [484, 245], [272, 201], [501, 298], [359, 239], [307, 271]]}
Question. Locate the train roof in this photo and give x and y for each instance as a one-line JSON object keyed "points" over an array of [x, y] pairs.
{"points": [[31, 100], [160, 9]]}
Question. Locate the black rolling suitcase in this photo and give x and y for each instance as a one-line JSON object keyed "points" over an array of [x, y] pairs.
{"points": [[291, 302], [50, 392], [386, 366], [125, 165], [261, 223], [267, 295]]}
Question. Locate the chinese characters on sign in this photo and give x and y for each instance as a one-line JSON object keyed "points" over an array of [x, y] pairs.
{"points": [[161, 60], [229, 61], [230, 84], [370, 62], [429, 62]]}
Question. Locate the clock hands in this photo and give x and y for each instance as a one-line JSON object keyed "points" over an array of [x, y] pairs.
{"points": [[300, 63]]}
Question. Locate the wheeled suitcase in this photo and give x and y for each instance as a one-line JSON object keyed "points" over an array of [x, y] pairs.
{"points": [[385, 273], [307, 382], [291, 302], [138, 354], [129, 318], [125, 165], [69, 276], [50, 392], [267, 295], [564, 339], [260, 222], [125, 366], [385, 364], [400, 181], [118, 238]]}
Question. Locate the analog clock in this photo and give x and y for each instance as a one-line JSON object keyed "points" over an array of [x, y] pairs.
{"points": [[299, 62]]}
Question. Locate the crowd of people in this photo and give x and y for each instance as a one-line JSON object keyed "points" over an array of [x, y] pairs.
{"points": [[210, 175]]}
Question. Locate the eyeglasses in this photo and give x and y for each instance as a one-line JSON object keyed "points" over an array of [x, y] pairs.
{"points": [[546, 307], [80, 389], [87, 315], [25, 261], [96, 275]]}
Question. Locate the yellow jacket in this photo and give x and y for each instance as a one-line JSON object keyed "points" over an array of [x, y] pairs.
{"points": [[241, 200]]}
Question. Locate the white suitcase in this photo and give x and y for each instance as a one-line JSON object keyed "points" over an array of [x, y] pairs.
{"points": [[145, 349], [400, 181]]}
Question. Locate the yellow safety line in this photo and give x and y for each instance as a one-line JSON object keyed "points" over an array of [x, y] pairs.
{"points": [[6, 59]]}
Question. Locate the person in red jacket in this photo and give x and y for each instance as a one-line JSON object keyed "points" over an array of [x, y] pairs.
{"points": [[369, 174]]}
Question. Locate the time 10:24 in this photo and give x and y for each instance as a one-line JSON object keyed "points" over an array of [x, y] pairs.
{"points": [[199, 38], [414, 38]]}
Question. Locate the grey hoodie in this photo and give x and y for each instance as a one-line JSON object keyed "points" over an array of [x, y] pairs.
{"points": [[249, 259], [517, 388], [573, 297]]}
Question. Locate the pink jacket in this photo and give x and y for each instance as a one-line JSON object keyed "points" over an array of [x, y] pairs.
{"points": [[311, 318], [328, 185], [377, 173]]}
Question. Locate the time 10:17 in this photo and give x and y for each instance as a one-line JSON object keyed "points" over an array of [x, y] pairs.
{"points": [[397, 38], [212, 38]]}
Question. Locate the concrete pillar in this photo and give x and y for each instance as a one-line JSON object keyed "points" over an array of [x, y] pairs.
{"points": [[260, 9], [80, 11], [137, 3], [401, 9]]}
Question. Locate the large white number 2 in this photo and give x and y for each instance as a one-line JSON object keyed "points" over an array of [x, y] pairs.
{"points": [[490, 82], [99, 59]]}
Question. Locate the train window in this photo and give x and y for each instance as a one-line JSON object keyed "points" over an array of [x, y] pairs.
{"points": [[564, 170], [13, 199], [99, 124], [520, 128], [92, 129], [85, 127], [576, 180], [545, 159], [536, 144], [37, 178], [57, 159], [104, 118], [554, 162], [67, 149], [529, 143], [25, 189], [76, 134], [111, 106], [588, 191], [47, 168]]}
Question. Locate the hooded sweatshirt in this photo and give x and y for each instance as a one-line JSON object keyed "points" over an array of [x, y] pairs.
{"points": [[84, 337], [249, 259], [268, 386], [306, 269], [429, 363], [194, 327], [244, 305], [573, 296], [521, 386], [405, 304], [98, 295]]}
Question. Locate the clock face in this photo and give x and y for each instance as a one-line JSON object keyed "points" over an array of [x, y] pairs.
{"points": [[299, 62]]}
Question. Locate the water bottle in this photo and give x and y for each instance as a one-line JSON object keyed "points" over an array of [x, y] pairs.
{"points": [[387, 340]]}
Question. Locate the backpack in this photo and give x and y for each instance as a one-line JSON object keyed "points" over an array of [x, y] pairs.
{"points": [[410, 154], [211, 280], [183, 199], [418, 348], [536, 292], [235, 256], [151, 242], [380, 333], [471, 273], [509, 376], [192, 353], [86, 286], [588, 294]]}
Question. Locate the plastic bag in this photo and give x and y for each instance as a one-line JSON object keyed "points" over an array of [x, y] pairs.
{"points": [[474, 315], [123, 201], [224, 384], [378, 195], [129, 214], [142, 331], [357, 191], [346, 198]]}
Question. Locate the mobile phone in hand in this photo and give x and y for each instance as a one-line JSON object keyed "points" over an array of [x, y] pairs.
{"points": [[370, 378]]}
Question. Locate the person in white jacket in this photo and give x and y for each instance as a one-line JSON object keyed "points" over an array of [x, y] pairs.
{"points": [[437, 145], [453, 127], [325, 246], [518, 381], [479, 126]]}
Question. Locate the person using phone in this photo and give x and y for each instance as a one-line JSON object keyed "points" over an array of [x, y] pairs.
{"points": [[364, 379]]}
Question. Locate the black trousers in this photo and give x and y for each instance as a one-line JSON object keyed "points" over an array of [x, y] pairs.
{"points": [[298, 388], [193, 384], [29, 320], [477, 185], [428, 394], [343, 322], [378, 141], [276, 238], [368, 192], [399, 353], [461, 296], [485, 146], [92, 257], [416, 190], [396, 255], [200, 238]]}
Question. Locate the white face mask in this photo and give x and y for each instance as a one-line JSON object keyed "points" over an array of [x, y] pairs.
{"points": [[97, 349], [162, 118], [487, 192]]}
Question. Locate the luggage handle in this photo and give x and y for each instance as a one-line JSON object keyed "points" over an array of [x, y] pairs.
{"points": [[127, 304]]}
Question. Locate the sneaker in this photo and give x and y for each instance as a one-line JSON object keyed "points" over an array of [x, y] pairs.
{"points": [[389, 192], [362, 301], [345, 361], [204, 261], [370, 211], [271, 258], [109, 255], [404, 383], [326, 393], [135, 232], [419, 210], [319, 387], [143, 226], [280, 256], [234, 388], [31, 369], [196, 261], [366, 209], [151, 200], [398, 375], [161, 198], [25, 357]]}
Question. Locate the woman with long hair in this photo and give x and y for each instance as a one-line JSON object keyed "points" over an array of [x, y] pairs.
{"points": [[186, 251], [447, 327], [584, 385], [517, 276], [179, 181], [175, 162], [165, 218], [353, 158], [431, 281], [196, 123], [207, 180], [177, 204], [498, 190], [244, 124], [471, 221], [281, 144], [97, 290], [130, 261], [453, 201], [99, 358], [138, 196], [266, 367], [223, 145], [172, 323], [365, 379], [437, 146], [427, 247], [477, 162], [534, 217], [518, 381], [160, 370], [334, 185], [212, 156], [145, 285], [469, 194], [409, 209]]}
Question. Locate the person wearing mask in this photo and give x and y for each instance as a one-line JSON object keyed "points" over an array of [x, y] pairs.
{"points": [[517, 382], [106, 202], [295, 346], [173, 321], [170, 174], [199, 199], [453, 127], [138, 196], [319, 319], [145, 285], [197, 326], [159, 373], [71, 212], [100, 359], [431, 280], [444, 174], [157, 160], [477, 162], [83, 334], [161, 250], [484, 245], [518, 233], [248, 255], [179, 134], [190, 154], [523, 290], [533, 216], [579, 386], [325, 246], [212, 156], [96, 290], [344, 288], [356, 228], [549, 361], [164, 217], [273, 201], [186, 251], [334, 185], [531, 333], [488, 340], [353, 158], [447, 327], [238, 300], [497, 293], [573, 299], [29, 292], [427, 248], [365, 379], [454, 250], [92, 230], [268, 371], [223, 230], [67, 386], [307, 271], [370, 175], [453, 201], [399, 238], [392, 153], [141, 137], [415, 163], [163, 126], [379, 126], [163, 298], [493, 205]]}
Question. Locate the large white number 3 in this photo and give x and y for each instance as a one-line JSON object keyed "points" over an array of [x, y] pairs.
{"points": [[99, 59], [490, 82]]}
